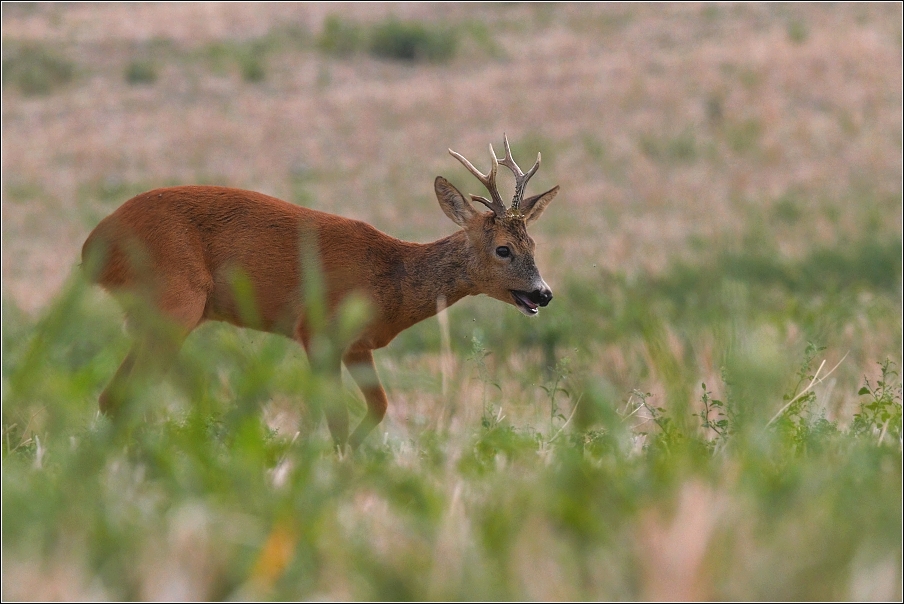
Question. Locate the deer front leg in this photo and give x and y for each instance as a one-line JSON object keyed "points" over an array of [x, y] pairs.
{"points": [[336, 412], [360, 364]]}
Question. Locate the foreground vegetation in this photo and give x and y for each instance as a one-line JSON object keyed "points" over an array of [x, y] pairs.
{"points": [[496, 483], [709, 408]]}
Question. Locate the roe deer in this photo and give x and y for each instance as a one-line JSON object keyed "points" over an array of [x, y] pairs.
{"points": [[177, 251]]}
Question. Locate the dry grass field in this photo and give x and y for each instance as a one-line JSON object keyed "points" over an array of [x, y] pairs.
{"points": [[663, 125], [731, 189]]}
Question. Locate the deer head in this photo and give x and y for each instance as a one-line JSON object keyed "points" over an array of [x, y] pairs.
{"points": [[503, 253]]}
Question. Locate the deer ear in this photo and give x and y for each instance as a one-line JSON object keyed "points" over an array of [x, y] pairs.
{"points": [[453, 202], [532, 207]]}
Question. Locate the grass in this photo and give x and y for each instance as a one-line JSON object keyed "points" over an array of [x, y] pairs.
{"points": [[710, 408], [37, 70], [393, 39], [339, 37], [526, 487], [681, 148], [412, 42], [248, 58], [141, 72]]}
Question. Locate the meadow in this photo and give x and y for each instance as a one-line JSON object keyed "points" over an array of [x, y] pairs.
{"points": [[710, 408]]}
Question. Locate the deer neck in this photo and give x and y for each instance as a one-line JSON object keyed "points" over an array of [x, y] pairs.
{"points": [[437, 272]]}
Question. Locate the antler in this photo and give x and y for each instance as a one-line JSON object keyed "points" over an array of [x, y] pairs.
{"points": [[488, 180], [520, 177]]}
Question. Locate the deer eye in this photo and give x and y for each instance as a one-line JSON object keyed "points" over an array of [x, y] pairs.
{"points": [[503, 251]]}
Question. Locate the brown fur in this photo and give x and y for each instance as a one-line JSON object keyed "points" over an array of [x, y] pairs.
{"points": [[182, 251]]}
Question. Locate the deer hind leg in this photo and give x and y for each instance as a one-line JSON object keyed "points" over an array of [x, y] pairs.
{"points": [[360, 364], [159, 334], [114, 395], [149, 358], [329, 400], [335, 408]]}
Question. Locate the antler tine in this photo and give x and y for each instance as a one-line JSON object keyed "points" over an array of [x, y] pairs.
{"points": [[520, 177], [488, 181]]}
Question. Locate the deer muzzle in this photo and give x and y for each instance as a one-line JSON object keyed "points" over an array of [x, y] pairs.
{"points": [[529, 302]]}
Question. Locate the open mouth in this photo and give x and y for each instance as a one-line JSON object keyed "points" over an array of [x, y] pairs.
{"points": [[524, 304]]}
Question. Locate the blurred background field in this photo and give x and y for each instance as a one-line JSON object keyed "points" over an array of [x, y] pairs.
{"points": [[728, 232]]}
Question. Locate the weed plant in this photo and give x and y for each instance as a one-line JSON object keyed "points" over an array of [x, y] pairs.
{"points": [[37, 70], [339, 37], [141, 72], [406, 41]]}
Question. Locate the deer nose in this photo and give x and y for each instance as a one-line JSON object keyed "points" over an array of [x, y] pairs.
{"points": [[541, 296], [546, 295]]}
